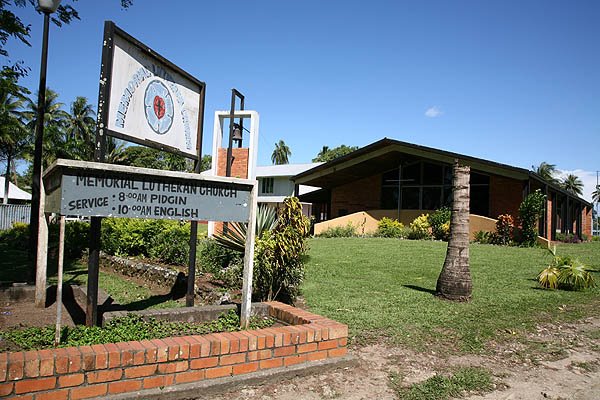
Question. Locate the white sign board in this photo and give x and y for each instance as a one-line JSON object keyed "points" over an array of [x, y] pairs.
{"points": [[151, 101]]}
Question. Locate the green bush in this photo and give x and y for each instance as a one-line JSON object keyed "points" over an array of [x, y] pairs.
{"points": [[213, 257], [172, 244], [339, 231], [17, 236], [76, 238], [127, 236], [530, 212], [231, 276], [278, 267], [420, 228], [484, 237], [391, 228], [439, 221]]}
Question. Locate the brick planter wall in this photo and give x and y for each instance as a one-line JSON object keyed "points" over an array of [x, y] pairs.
{"points": [[100, 370]]}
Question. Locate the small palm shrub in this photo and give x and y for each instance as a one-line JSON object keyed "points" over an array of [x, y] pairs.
{"points": [[548, 277], [420, 228], [440, 223], [566, 273], [391, 228], [575, 277], [339, 231]]}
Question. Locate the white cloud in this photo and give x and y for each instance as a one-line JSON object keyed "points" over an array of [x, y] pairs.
{"points": [[587, 177], [433, 112]]}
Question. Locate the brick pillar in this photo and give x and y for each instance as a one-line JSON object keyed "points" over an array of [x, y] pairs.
{"points": [[239, 169]]}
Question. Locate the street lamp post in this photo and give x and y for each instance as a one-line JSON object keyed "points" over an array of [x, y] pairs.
{"points": [[47, 7]]}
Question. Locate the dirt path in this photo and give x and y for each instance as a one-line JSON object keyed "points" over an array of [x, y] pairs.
{"points": [[557, 362]]}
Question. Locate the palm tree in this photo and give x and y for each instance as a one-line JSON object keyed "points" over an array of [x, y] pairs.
{"points": [[13, 135], [80, 127], [572, 184], [454, 282], [596, 194], [55, 122], [281, 153], [546, 171]]}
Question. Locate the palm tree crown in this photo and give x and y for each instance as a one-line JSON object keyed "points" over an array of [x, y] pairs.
{"points": [[596, 194], [572, 184], [546, 171], [281, 153]]}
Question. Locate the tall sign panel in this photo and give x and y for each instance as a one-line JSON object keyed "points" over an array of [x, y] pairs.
{"points": [[148, 100]]}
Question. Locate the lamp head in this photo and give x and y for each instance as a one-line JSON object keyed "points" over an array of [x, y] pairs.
{"points": [[48, 6]]}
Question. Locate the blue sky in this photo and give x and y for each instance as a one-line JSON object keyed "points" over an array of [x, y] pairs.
{"points": [[511, 81]]}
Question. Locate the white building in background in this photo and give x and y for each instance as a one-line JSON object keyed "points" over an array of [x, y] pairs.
{"points": [[274, 184]]}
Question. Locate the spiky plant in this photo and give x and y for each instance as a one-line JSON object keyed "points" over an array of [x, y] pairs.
{"points": [[548, 277], [234, 237], [575, 277]]}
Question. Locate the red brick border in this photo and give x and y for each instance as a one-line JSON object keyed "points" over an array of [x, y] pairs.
{"points": [[99, 370]]}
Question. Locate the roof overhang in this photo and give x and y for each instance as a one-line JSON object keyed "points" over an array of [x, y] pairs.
{"points": [[388, 154]]}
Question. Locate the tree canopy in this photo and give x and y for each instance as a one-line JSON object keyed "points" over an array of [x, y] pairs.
{"points": [[547, 171], [572, 184], [326, 154], [12, 26], [281, 153]]}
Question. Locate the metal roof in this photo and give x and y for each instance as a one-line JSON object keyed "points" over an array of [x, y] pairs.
{"points": [[283, 169]]}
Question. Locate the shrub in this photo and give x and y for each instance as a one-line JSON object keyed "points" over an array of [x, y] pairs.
{"points": [[339, 231], [172, 244], [440, 223], [391, 228], [565, 273], [595, 238], [530, 211], [213, 257], [575, 277], [504, 229], [567, 238], [548, 277], [278, 267], [484, 237], [420, 228], [76, 238], [17, 236]]}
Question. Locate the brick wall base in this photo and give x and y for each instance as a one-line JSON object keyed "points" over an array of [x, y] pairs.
{"points": [[100, 370]]}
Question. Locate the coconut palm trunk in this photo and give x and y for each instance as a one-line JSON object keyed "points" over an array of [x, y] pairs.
{"points": [[454, 282]]}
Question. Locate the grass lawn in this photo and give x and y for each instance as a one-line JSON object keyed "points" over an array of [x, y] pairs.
{"points": [[384, 288]]}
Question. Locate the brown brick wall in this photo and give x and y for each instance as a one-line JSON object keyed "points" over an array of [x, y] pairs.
{"points": [[586, 221], [550, 208], [239, 169], [239, 166], [100, 370], [361, 195], [506, 195]]}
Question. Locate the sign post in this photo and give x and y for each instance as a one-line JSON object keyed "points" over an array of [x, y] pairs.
{"points": [[145, 99]]}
